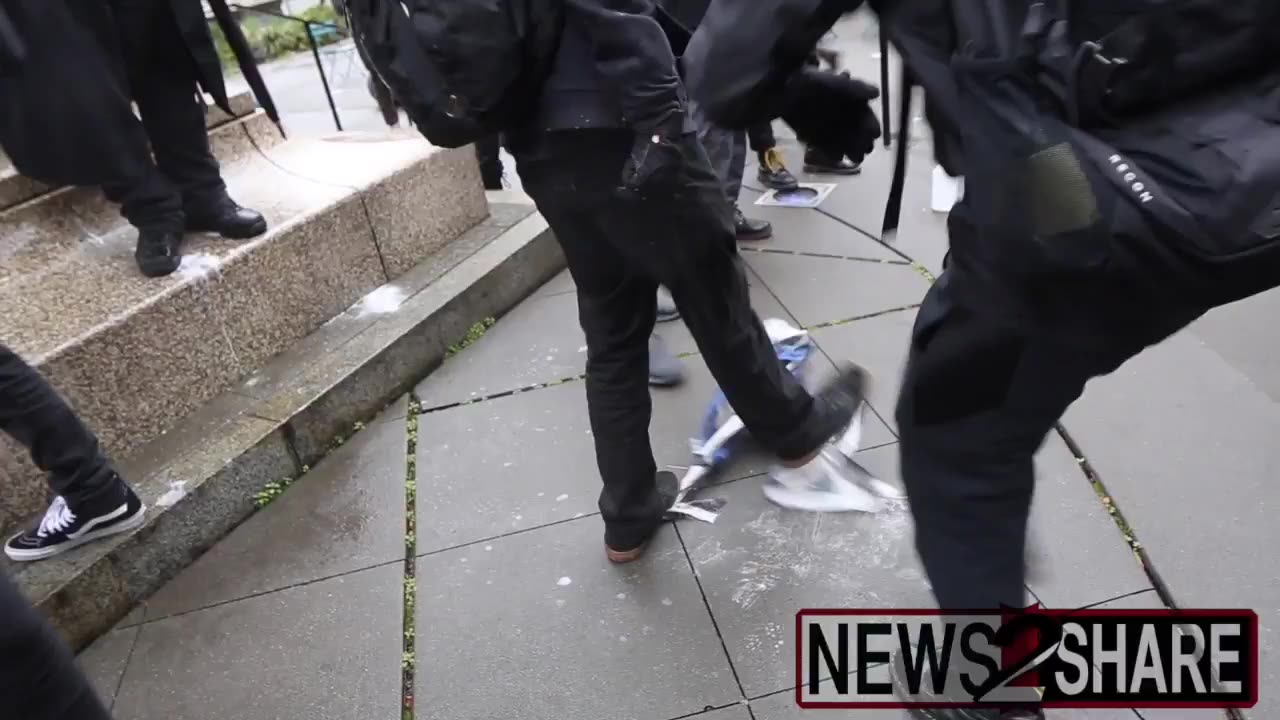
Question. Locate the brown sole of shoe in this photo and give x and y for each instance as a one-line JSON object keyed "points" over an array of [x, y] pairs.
{"points": [[621, 557]]}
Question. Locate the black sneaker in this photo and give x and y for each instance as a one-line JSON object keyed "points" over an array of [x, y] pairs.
{"points": [[748, 229], [61, 528], [819, 163], [773, 172], [840, 399]]}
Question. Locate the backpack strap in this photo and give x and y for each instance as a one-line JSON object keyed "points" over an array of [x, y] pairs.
{"points": [[893, 207]]}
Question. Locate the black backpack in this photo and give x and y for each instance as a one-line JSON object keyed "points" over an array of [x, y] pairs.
{"points": [[1143, 163], [463, 70]]}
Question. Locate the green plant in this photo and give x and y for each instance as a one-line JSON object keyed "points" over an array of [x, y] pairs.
{"points": [[476, 332], [271, 491]]}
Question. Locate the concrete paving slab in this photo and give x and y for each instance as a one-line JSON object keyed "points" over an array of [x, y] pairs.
{"points": [[783, 707], [561, 283], [1185, 444], [327, 650], [542, 626], [104, 661], [1232, 332], [808, 231], [541, 341], [733, 712], [346, 514], [1078, 555], [517, 462], [880, 345], [759, 564], [821, 290]]}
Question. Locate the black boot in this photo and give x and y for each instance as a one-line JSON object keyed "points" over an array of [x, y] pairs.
{"points": [[773, 173], [226, 218], [818, 162], [159, 251], [748, 229]]}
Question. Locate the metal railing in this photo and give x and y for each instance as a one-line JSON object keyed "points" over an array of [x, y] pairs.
{"points": [[309, 26]]}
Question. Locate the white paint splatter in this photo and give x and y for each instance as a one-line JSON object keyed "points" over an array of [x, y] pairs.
{"points": [[793, 549], [488, 548], [198, 266], [577, 515], [666, 601], [464, 559], [562, 497], [622, 638], [541, 494], [519, 517], [253, 381], [582, 349], [177, 490], [560, 602], [564, 581], [621, 596], [382, 301], [507, 464]]}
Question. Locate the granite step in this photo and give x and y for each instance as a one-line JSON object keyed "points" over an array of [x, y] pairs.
{"points": [[16, 189], [135, 355], [200, 478]]}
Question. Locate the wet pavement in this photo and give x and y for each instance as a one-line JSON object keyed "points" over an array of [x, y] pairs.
{"points": [[447, 559]]}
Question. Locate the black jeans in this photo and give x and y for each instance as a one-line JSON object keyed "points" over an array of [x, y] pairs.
{"points": [[619, 249], [33, 413], [977, 401], [39, 679], [760, 137], [162, 79]]}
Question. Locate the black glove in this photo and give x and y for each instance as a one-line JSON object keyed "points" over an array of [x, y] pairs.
{"points": [[658, 159], [832, 113]]}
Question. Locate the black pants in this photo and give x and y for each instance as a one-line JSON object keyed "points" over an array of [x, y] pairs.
{"points": [[487, 154], [619, 250], [760, 137], [39, 679], [977, 401], [35, 415], [162, 79]]}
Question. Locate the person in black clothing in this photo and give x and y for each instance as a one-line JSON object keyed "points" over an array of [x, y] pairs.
{"points": [[989, 373], [39, 677], [771, 169], [166, 47], [612, 159], [91, 500]]}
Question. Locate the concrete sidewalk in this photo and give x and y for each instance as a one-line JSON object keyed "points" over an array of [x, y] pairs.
{"points": [[512, 609], [446, 562]]}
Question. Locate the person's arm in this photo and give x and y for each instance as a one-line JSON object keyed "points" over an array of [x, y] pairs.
{"points": [[634, 59], [745, 52]]}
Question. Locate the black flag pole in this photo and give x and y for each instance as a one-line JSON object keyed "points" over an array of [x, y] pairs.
{"points": [[244, 57], [884, 87]]}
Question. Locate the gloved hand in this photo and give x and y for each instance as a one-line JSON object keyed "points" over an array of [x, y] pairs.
{"points": [[832, 113], [657, 159]]}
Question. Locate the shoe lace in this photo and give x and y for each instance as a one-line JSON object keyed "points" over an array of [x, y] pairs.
{"points": [[773, 160], [56, 519]]}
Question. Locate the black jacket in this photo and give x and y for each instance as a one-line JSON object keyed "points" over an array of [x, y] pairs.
{"points": [[615, 69]]}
